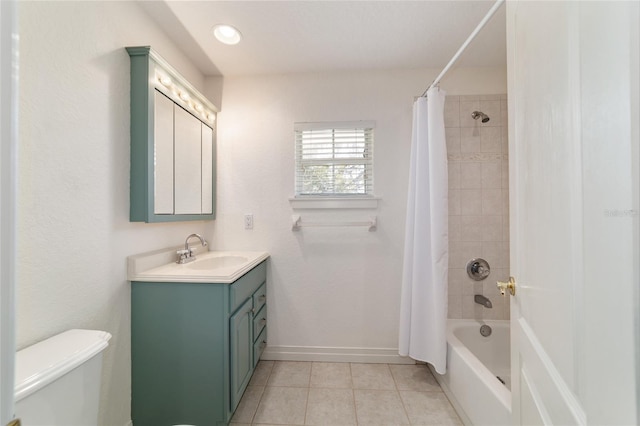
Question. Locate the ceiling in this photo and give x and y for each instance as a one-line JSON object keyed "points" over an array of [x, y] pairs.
{"points": [[309, 36]]}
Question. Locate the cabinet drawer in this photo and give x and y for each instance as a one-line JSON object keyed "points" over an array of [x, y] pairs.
{"points": [[259, 346], [245, 286], [259, 322], [260, 298]]}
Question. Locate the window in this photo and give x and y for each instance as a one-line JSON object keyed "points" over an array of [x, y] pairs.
{"points": [[334, 159]]}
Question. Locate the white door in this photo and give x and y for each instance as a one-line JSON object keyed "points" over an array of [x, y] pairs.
{"points": [[8, 138], [573, 123]]}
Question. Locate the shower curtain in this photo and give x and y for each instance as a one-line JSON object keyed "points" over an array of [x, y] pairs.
{"points": [[423, 309]]}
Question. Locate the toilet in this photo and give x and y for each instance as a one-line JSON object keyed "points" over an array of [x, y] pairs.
{"points": [[58, 379]]}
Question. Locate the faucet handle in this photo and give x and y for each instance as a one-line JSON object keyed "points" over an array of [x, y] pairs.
{"points": [[509, 285]]}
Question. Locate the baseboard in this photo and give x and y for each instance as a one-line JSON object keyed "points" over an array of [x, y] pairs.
{"points": [[129, 423], [329, 354]]}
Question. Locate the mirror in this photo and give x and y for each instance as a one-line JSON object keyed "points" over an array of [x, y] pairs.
{"points": [[172, 144]]}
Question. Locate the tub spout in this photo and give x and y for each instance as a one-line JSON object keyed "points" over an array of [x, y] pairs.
{"points": [[481, 300]]}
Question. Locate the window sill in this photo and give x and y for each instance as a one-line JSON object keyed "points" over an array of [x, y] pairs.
{"points": [[334, 202]]}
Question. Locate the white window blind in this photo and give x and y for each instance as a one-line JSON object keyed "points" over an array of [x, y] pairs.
{"points": [[334, 159]]}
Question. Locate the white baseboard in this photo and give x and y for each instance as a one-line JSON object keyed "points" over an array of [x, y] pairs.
{"points": [[328, 354]]}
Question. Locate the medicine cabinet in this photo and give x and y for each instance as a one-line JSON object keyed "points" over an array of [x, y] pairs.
{"points": [[173, 144]]}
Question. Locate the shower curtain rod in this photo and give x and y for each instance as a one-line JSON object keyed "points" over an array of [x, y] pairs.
{"points": [[473, 35]]}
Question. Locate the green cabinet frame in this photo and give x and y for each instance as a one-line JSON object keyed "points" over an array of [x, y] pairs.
{"points": [[193, 349], [146, 67]]}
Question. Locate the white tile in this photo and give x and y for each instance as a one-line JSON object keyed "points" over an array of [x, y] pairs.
{"points": [[470, 140], [504, 112], [454, 174], [454, 308], [491, 175], [488, 98], [331, 407], [248, 405], [429, 408], [452, 112], [505, 174], [496, 254], [331, 375], [471, 202], [504, 137], [497, 309], [379, 407], [452, 137], [471, 309], [454, 227], [491, 202], [471, 288], [456, 280], [490, 139], [371, 376], [454, 201], [414, 377], [454, 289], [470, 175], [460, 252], [492, 228], [291, 374], [505, 201], [282, 405], [471, 228]]}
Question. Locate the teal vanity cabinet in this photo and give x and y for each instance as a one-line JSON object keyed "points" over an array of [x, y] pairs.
{"points": [[194, 348], [173, 145]]}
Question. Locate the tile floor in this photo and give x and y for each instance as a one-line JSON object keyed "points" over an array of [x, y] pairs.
{"points": [[336, 394]]}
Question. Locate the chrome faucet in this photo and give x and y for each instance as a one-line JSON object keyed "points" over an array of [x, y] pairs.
{"points": [[189, 254], [481, 300]]}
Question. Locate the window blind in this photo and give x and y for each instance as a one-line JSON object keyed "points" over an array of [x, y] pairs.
{"points": [[334, 160]]}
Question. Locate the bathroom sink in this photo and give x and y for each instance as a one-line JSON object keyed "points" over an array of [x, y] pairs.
{"points": [[209, 266], [217, 262]]}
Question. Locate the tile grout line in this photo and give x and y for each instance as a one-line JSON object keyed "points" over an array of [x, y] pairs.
{"points": [[306, 405], [353, 394], [395, 382]]}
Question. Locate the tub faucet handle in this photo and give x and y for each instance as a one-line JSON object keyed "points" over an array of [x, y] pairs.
{"points": [[509, 285]]}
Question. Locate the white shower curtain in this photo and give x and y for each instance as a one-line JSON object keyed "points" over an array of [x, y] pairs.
{"points": [[423, 309]]}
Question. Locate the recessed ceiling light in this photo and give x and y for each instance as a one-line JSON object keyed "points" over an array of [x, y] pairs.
{"points": [[227, 34]]}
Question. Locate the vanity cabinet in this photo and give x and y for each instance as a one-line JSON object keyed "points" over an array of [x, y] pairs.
{"points": [[194, 348], [172, 144]]}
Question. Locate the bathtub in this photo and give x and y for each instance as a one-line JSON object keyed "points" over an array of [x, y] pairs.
{"points": [[474, 363]]}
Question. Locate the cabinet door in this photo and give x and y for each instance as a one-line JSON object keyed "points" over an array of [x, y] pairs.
{"points": [[188, 162], [241, 351]]}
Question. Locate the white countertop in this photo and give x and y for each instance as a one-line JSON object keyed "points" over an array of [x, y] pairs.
{"points": [[209, 267]]}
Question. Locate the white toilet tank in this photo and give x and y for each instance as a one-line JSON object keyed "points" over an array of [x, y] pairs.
{"points": [[58, 379]]}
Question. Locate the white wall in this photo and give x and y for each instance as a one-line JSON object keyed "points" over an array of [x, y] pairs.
{"points": [[73, 228], [329, 287]]}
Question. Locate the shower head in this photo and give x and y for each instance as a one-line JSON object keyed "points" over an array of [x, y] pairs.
{"points": [[478, 114]]}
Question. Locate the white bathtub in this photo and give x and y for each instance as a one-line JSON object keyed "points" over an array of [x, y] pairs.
{"points": [[473, 362]]}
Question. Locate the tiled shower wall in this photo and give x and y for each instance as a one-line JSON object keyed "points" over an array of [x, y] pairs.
{"points": [[478, 202]]}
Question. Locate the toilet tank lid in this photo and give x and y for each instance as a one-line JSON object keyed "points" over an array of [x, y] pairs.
{"points": [[46, 361]]}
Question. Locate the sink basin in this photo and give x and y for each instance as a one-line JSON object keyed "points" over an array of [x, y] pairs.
{"points": [[217, 262], [209, 266]]}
